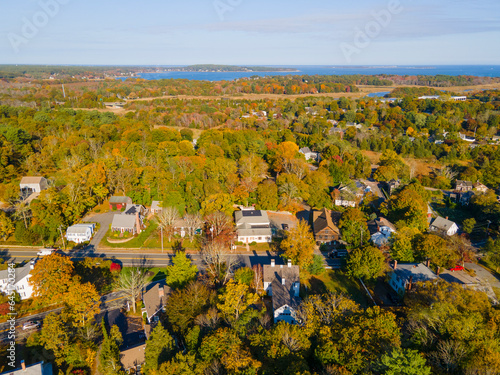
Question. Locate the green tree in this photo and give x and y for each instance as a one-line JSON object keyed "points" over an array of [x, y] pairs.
{"points": [[365, 263], [435, 248], [403, 362], [468, 225], [159, 348], [6, 226], [244, 275], [299, 244], [402, 244], [181, 272], [109, 356], [235, 299], [354, 227]]}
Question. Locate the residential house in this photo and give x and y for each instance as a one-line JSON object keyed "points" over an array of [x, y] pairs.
{"points": [[310, 155], [133, 359], [79, 233], [282, 283], [381, 230], [119, 202], [403, 276], [40, 368], [154, 301], [135, 209], [156, 207], [324, 228], [336, 130], [480, 188], [463, 186], [466, 280], [350, 195], [20, 283], [253, 226], [353, 124], [32, 185], [393, 185], [443, 226], [126, 223]]}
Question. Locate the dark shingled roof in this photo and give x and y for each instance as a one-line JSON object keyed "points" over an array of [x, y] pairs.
{"points": [[155, 298], [283, 295]]}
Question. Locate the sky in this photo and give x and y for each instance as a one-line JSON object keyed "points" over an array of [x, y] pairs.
{"points": [[244, 32]]}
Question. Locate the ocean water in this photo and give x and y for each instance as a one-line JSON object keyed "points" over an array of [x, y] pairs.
{"points": [[453, 70]]}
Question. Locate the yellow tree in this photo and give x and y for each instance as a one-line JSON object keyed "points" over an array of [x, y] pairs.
{"points": [[299, 244], [235, 300], [52, 277], [83, 302]]}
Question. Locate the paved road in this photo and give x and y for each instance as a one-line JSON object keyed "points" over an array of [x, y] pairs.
{"points": [[484, 274], [109, 302], [104, 220]]}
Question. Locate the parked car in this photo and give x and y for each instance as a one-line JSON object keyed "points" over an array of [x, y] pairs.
{"points": [[457, 268], [31, 324], [44, 252]]}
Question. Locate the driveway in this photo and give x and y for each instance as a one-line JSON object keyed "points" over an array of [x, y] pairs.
{"points": [[484, 274], [104, 220]]}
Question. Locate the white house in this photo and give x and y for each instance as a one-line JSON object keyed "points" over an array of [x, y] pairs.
{"points": [[253, 226], [381, 230], [79, 233], [156, 207], [30, 185], [403, 276], [39, 368], [443, 226], [310, 155], [19, 282], [282, 283]]}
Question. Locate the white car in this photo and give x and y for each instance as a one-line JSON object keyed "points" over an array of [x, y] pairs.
{"points": [[31, 324], [43, 252]]}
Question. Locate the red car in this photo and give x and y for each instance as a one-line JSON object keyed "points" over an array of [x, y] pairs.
{"points": [[457, 268]]}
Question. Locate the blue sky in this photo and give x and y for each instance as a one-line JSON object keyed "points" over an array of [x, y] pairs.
{"points": [[319, 32]]}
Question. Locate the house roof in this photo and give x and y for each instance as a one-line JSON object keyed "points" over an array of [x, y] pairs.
{"points": [[305, 150], [418, 272], [31, 180], [383, 222], [21, 272], [155, 205], [124, 221], [133, 356], [283, 295], [442, 223], [463, 183], [117, 199], [40, 368], [324, 219], [133, 209], [154, 299], [79, 229], [252, 217], [278, 272]]}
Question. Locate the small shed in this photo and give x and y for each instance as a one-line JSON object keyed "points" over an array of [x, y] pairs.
{"points": [[117, 203]]}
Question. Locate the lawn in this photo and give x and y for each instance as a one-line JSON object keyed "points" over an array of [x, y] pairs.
{"points": [[334, 281], [136, 242]]}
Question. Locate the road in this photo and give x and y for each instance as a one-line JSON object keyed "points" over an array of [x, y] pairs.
{"points": [[139, 258], [105, 221], [109, 302]]}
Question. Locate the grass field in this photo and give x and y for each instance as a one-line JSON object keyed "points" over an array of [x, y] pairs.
{"points": [[334, 281]]}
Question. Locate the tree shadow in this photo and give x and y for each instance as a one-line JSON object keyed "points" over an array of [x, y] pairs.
{"points": [[177, 246], [317, 286]]}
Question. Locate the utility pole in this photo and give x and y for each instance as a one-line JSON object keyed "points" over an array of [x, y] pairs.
{"points": [[161, 231], [62, 238]]}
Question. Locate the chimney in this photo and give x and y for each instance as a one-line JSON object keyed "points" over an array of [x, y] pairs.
{"points": [[161, 292], [23, 365], [273, 262], [438, 269], [138, 222], [289, 263], [395, 264], [446, 218], [428, 263], [283, 281], [410, 282]]}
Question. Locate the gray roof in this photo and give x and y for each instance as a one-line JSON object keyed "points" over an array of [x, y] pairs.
{"points": [[305, 150], [254, 231], [133, 209], [116, 199], [155, 298], [254, 217], [80, 229], [442, 223], [418, 272], [155, 205], [21, 272], [463, 183], [31, 180], [123, 221], [278, 272], [36, 369], [283, 295]]}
